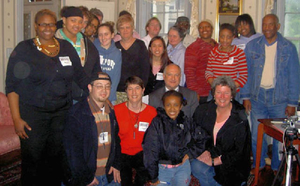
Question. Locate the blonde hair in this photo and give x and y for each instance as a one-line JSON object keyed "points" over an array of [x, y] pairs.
{"points": [[125, 19]]}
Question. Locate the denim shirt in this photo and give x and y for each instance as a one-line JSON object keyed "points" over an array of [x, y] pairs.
{"points": [[287, 83]]}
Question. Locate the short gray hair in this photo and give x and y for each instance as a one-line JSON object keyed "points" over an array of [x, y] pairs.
{"points": [[224, 81]]}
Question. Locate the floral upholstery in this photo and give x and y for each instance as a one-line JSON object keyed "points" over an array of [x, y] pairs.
{"points": [[9, 140]]}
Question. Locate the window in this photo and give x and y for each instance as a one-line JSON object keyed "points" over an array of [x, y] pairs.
{"points": [[167, 13], [289, 17]]}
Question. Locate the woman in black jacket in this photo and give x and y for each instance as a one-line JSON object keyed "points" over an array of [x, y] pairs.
{"points": [[169, 143], [226, 160]]}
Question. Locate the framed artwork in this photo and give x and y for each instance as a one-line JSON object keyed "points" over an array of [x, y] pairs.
{"points": [[230, 7]]}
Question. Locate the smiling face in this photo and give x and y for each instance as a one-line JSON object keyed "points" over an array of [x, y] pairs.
{"points": [[100, 90], [174, 38], [172, 76], [153, 28], [226, 37], [223, 96], [157, 48], [270, 27], [172, 105], [105, 36], [205, 30], [73, 25], [244, 29], [135, 93], [45, 27], [91, 29]]}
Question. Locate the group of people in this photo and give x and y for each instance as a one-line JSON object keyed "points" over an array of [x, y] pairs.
{"points": [[76, 93]]}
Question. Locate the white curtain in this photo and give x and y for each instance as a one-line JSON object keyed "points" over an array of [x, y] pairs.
{"points": [[131, 8], [194, 18], [269, 6]]}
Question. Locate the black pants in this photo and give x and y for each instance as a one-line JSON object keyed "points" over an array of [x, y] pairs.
{"points": [[42, 153], [128, 163]]}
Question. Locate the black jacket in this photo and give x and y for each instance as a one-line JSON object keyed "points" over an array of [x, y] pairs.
{"points": [[81, 144], [233, 142], [167, 141], [91, 67]]}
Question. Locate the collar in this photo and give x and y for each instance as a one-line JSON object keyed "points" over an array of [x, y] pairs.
{"points": [[266, 42], [176, 89]]}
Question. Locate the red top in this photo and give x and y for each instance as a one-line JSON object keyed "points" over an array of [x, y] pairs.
{"points": [[232, 64], [128, 129], [196, 58]]}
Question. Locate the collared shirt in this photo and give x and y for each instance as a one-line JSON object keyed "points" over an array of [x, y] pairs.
{"points": [[176, 89], [146, 40]]}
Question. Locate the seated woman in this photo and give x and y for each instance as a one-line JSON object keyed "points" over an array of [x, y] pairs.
{"points": [[158, 60], [226, 160], [168, 143], [133, 117]]}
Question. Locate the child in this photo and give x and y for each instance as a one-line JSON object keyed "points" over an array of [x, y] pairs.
{"points": [[168, 143]]}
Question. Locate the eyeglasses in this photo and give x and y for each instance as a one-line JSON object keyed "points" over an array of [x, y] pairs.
{"points": [[47, 24], [100, 87]]}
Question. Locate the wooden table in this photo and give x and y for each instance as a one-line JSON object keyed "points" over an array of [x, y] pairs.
{"points": [[274, 131]]}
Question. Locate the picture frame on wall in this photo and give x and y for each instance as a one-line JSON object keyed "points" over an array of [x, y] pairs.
{"points": [[229, 7]]}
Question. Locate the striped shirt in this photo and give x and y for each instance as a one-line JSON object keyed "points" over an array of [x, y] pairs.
{"points": [[232, 64]]}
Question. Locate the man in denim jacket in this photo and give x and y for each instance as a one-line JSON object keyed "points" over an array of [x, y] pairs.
{"points": [[272, 90]]}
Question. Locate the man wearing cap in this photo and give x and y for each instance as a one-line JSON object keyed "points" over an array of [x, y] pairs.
{"points": [[91, 138], [196, 58]]}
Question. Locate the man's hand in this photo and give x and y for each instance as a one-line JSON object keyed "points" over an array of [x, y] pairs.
{"points": [[290, 111], [20, 128], [94, 182], [247, 105], [116, 174], [204, 156]]}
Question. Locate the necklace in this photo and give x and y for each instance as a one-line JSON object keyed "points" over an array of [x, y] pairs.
{"points": [[137, 118], [41, 48]]}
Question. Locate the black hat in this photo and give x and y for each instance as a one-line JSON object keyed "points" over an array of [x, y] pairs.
{"points": [[72, 11], [99, 76]]}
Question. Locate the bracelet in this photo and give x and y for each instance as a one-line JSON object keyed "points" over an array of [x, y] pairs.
{"points": [[212, 162]]}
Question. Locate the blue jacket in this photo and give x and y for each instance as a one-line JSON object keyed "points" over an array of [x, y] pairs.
{"points": [[111, 63], [81, 144], [287, 71]]}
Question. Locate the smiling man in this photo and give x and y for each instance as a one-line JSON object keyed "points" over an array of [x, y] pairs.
{"points": [[272, 89], [91, 137], [172, 75]]}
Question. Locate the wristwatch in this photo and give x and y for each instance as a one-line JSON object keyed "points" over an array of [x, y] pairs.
{"points": [[212, 162]]}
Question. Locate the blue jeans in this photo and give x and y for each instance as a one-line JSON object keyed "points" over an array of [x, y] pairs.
{"points": [[103, 181], [263, 108], [177, 176], [204, 173]]}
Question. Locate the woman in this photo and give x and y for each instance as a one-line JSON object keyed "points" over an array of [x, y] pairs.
{"points": [[167, 143], [227, 59], [226, 160], [133, 117], [38, 85], [244, 31], [158, 60], [135, 57], [110, 57], [152, 28], [73, 22], [196, 58], [92, 28], [176, 50]]}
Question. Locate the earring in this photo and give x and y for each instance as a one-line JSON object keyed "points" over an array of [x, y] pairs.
{"points": [[231, 99]]}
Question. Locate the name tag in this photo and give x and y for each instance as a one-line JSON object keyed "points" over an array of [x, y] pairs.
{"points": [[65, 61], [241, 46], [159, 76], [103, 137], [229, 62], [143, 126]]}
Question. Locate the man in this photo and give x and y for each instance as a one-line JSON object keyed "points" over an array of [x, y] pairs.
{"points": [[97, 13], [91, 137], [172, 75], [196, 58], [272, 90], [152, 28]]}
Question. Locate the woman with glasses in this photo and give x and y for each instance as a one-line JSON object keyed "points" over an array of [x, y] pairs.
{"points": [[39, 79]]}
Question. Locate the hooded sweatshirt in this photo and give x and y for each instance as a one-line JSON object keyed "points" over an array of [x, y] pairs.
{"points": [[111, 62]]}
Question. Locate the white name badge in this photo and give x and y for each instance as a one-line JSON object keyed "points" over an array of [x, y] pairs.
{"points": [[159, 76], [103, 137], [241, 46], [143, 126], [229, 62], [65, 61]]}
